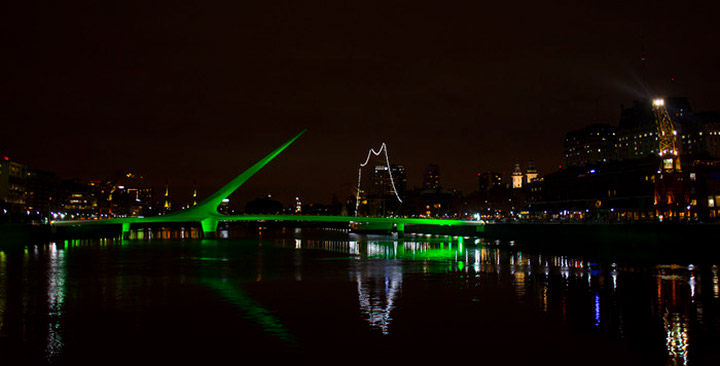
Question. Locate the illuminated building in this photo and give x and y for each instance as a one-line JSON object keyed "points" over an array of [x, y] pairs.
{"points": [[531, 173], [702, 138], [387, 185], [81, 203], [139, 200], [25, 189], [384, 185], [517, 177], [637, 132]]}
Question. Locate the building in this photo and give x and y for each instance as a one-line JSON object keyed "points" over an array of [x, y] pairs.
{"points": [[488, 181], [431, 180], [14, 179], [531, 174], [517, 177], [591, 145], [387, 187], [389, 181]]}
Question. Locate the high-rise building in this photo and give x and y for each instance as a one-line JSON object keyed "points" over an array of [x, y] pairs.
{"points": [[432, 177], [388, 181]]}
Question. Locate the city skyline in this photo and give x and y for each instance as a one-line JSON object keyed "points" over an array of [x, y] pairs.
{"points": [[189, 94]]}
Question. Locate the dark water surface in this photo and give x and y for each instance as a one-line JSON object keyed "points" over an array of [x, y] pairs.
{"points": [[333, 297]]}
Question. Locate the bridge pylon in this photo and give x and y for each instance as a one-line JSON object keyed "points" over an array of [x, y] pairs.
{"points": [[209, 227]]}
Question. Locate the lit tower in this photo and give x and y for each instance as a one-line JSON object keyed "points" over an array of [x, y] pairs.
{"points": [[194, 198], [517, 176], [532, 173], [667, 136], [166, 206], [298, 205]]}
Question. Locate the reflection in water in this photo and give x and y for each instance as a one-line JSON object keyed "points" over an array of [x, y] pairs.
{"points": [[597, 310], [378, 284], [171, 233], [659, 307], [56, 300], [676, 327], [3, 291], [253, 311], [716, 282]]}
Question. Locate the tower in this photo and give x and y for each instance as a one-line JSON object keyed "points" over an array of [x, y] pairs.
{"points": [[531, 174], [194, 196], [517, 177], [166, 205]]}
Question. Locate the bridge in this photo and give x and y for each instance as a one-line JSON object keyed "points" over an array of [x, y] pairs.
{"points": [[206, 212]]}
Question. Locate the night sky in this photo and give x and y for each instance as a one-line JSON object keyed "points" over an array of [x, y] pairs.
{"points": [[198, 91]]}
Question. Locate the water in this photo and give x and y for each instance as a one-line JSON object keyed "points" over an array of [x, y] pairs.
{"points": [[330, 297]]}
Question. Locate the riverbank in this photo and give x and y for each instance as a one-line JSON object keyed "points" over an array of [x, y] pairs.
{"points": [[666, 241]]}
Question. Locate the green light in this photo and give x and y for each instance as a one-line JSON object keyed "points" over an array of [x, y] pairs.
{"points": [[253, 311]]}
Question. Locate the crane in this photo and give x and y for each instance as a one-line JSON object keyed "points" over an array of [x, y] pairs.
{"points": [[667, 138]]}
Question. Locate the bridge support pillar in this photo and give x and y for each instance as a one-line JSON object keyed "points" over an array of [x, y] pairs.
{"points": [[400, 228], [209, 228], [126, 230]]}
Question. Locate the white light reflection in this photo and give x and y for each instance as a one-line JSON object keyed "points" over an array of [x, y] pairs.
{"points": [[56, 300], [716, 283], [614, 278], [476, 264], [676, 328], [379, 284], [691, 282]]}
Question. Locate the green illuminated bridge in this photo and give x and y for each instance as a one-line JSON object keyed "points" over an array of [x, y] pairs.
{"points": [[207, 215]]}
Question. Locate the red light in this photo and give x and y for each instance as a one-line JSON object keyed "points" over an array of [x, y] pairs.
{"points": [[643, 59], [6, 158]]}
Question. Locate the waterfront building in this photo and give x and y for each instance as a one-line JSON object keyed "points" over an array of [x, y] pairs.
{"points": [[590, 145], [13, 182]]}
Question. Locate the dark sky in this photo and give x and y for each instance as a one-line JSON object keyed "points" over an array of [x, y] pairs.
{"points": [[184, 91]]}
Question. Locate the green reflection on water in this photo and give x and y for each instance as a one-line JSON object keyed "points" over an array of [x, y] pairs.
{"points": [[236, 296], [414, 251], [253, 311]]}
